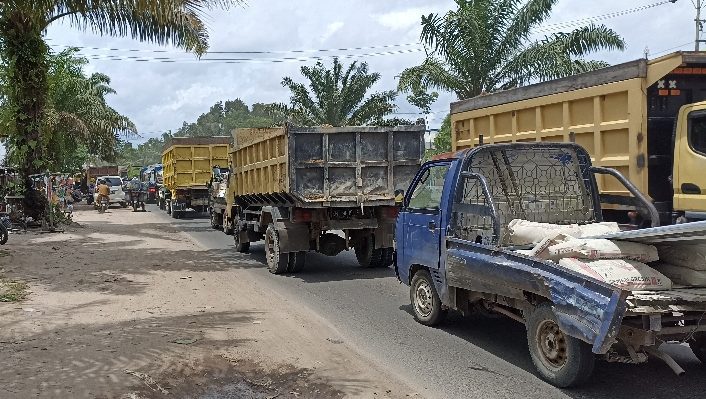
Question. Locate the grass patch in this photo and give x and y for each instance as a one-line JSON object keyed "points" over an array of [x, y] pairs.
{"points": [[13, 291]]}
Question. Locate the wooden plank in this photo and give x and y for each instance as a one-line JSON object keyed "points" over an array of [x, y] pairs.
{"points": [[616, 73]]}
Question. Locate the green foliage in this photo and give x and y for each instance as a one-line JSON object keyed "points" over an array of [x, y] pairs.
{"points": [[485, 45], [12, 291], [442, 141], [222, 118], [338, 98], [77, 119], [27, 122]]}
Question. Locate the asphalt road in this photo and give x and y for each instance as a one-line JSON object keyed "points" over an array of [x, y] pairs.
{"points": [[464, 358]]}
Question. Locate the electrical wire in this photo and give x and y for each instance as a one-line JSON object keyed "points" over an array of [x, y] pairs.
{"points": [[109, 57], [671, 48], [584, 21], [245, 52]]}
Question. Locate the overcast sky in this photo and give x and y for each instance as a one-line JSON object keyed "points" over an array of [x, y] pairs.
{"points": [[160, 96]]}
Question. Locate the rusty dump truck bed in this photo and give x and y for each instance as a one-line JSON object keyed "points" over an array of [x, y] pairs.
{"points": [[322, 166]]}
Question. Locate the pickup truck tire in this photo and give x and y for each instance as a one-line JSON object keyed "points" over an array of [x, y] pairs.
{"points": [[277, 262], [698, 346], [560, 359], [296, 262], [426, 304], [242, 247]]}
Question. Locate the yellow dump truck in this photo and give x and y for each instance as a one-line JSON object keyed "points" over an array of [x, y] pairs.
{"points": [[187, 165], [645, 118], [297, 187]]}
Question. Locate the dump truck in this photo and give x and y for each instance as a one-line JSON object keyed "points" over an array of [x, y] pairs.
{"points": [[459, 246], [297, 187], [217, 193], [187, 163], [645, 118]]}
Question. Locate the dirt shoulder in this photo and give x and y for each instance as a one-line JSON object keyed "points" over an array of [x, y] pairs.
{"points": [[128, 306]]}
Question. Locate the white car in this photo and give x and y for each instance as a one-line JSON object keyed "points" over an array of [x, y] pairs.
{"points": [[117, 196]]}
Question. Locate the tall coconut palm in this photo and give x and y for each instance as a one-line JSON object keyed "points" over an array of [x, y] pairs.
{"points": [[24, 50], [337, 97], [488, 45]]}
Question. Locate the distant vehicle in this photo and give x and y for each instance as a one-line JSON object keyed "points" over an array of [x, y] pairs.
{"points": [[187, 168], [117, 195], [217, 194]]}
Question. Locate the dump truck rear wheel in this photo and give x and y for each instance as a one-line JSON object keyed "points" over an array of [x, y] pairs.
{"points": [[366, 254], [387, 257], [296, 262], [277, 262], [242, 247], [562, 360], [698, 346], [426, 304]]}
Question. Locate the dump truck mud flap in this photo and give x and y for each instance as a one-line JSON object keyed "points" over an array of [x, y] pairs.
{"points": [[293, 237]]}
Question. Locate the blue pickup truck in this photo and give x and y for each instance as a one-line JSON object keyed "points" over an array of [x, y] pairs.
{"points": [[454, 251]]}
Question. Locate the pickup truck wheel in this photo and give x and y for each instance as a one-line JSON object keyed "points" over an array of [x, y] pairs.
{"points": [[425, 300], [387, 257], [242, 247], [277, 262], [562, 360], [296, 262], [698, 346]]}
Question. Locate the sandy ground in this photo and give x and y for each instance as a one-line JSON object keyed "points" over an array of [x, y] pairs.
{"points": [[128, 306]]}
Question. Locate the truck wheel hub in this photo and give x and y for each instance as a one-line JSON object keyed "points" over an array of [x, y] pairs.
{"points": [[424, 298], [552, 344]]}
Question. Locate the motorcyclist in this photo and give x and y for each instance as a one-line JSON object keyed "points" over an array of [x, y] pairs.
{"points": [[103, 190]]}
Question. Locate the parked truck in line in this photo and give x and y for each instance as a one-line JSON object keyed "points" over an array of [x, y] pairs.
{"points": [[217, 197], [187, 163], [295, 187], [645, 118], [455, 251]]}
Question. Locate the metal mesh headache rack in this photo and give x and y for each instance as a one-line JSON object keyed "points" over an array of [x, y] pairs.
{"points": [[539, 182]]}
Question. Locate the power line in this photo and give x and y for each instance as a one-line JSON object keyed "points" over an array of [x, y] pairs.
{"points": [[109, 57], [244, 52], [671, 48], [614, 14]]}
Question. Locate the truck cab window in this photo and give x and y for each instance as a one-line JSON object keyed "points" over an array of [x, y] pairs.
{"points": [[427, 192], [697, 132]]}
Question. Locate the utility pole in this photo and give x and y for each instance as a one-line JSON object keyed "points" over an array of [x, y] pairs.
{"points": [[699, 25]]}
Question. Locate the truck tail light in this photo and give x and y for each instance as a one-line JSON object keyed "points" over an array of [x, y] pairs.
{"points": [[390, 212], [302, 215], [152, 189]]}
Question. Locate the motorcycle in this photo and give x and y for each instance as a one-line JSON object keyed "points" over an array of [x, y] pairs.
{"points": [[137, 200], [104, 203], [5, 226]]}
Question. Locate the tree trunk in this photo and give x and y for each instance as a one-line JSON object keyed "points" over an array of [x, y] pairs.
{"points": [[25, 52]]}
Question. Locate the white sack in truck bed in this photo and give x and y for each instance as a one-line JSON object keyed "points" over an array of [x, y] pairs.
{"points": [[682, 275], [692, 256], [603, 249], [524, 232], [625, 274]]}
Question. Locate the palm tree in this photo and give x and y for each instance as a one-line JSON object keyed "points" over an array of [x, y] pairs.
{"points": [[24, 51], [487, 45], [336, 97]]}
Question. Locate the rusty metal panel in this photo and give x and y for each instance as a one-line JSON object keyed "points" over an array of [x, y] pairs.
{"points": [[325, 166]]}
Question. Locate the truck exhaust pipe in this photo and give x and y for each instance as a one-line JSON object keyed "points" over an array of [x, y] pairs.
{"points": [[656, 352]]}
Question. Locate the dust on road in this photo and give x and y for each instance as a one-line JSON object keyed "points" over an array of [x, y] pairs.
{"points": [[128, 306]]}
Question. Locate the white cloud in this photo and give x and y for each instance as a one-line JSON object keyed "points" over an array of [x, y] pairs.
{"points": [[330, 30], [403, 19], [160, 96]]}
